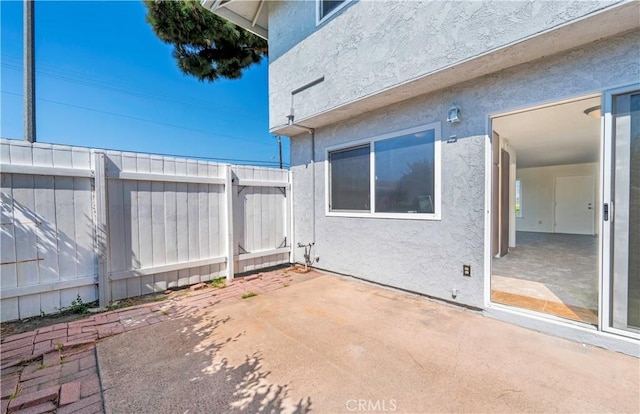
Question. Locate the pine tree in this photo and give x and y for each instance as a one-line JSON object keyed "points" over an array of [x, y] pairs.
{"points": [[204, 45]]}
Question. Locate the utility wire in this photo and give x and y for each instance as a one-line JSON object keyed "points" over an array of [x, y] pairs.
{"points": [[67, 72], [215, 134], [128, 91], [122, 88]]}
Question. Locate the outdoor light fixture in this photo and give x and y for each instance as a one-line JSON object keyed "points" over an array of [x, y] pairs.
{"points": [[593, 112], [453, 114]]}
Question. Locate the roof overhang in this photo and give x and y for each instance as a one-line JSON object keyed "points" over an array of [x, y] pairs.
{"points": [[609, 22], [251, 15]]}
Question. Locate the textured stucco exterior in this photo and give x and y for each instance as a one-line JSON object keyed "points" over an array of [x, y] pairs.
{"points": [[371, 46], [427, 256]]}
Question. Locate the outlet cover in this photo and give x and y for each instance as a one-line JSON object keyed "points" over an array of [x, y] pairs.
{"points": [[466, 270]]}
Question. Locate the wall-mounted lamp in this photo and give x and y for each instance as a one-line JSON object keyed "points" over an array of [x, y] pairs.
{"points": [[593, 112], [453, 114]]}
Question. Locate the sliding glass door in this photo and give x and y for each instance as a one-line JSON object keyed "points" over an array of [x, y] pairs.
{"points": [[621, 212]]}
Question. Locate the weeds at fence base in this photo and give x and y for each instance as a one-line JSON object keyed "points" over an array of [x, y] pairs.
{"points": [[78, 307], [218, 283]]}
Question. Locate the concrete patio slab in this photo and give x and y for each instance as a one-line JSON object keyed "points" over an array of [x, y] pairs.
{"points": [[54, 368], [331, 344]]}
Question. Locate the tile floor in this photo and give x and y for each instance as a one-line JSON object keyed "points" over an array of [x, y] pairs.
{"points": [[550, 273]]}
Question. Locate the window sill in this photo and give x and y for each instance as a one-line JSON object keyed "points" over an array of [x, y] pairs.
{"points": [[394, 216]]}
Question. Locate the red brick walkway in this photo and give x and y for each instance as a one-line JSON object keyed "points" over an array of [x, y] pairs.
{"points": [[54, 369]]}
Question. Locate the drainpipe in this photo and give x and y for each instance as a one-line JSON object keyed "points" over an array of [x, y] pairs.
{"points": [[313, 185], [312, 132]]}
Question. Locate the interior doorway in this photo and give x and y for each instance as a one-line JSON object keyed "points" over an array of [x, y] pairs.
{"points": [[545, 241]]}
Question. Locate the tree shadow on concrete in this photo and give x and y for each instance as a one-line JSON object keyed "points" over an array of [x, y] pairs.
{"points": [[252, 390], [179, 366]]}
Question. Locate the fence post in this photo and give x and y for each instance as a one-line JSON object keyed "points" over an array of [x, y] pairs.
{"points": [[101, 234], [228, 191]]}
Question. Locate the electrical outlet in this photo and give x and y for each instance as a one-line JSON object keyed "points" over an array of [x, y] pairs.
{"points": [[466, 270]]}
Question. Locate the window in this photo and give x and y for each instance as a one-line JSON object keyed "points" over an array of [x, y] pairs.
{"points": [[404, 174], [350, 178], [518, 199], [328, 7], [394, 176]]}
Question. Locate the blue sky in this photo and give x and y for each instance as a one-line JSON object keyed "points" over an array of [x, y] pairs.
{"points": [[104, 80]]}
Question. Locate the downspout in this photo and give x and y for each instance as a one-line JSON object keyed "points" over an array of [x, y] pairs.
{"points": [[312, 132], [313, 184], [309, 246]]}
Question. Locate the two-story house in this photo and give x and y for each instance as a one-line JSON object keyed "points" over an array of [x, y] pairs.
{"points": [[484, 153]]}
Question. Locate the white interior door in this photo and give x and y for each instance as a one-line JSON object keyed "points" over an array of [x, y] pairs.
{"points": [[574, 212]]}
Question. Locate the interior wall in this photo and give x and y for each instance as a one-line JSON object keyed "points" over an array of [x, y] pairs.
{"points": [[537, 186]]}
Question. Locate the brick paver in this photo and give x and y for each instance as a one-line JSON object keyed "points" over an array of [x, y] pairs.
{"points": [[33, 399], [69, 393], [54, 369], [46, 407]]}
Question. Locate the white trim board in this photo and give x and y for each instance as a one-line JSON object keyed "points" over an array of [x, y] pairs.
{"points": [[126, 274], [41, 170], [13, 292]]}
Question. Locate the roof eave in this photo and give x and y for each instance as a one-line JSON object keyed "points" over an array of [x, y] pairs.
{"points": [[227, 10]]}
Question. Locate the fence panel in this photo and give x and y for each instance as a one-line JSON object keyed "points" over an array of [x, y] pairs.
{"points": [[164, 223], [47, 228], [138, 223]]}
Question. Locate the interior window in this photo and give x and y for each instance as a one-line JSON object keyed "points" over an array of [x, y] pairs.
{"points": [[518, 199]]}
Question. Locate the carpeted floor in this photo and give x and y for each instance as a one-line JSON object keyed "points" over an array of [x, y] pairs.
{"points": [[546, 265]]}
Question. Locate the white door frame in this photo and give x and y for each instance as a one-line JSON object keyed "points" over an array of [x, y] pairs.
{"points": [[606, 176]]}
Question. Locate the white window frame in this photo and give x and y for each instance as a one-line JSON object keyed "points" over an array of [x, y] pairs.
{"points": [[322, 19], [437, 176]]}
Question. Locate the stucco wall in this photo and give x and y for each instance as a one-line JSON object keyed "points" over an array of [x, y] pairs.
{"points": [[427, 256], [290, 22], [370, 46]]}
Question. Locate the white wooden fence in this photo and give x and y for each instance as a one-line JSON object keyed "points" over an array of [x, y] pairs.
{"points": [[109, 225]]}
